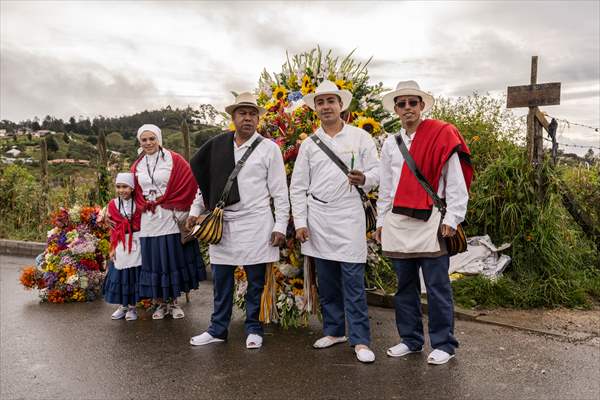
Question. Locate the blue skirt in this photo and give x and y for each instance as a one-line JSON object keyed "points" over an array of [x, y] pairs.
{"points": [[168, 267], [121, 285]]}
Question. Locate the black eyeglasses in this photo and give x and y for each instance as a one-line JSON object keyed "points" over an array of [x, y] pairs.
{"points": [[402, 103]]}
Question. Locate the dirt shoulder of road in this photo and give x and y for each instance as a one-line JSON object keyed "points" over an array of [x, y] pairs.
{"points": [[573, 324]]}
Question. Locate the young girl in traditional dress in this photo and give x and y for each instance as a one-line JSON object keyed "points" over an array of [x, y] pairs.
{"points": [[121, 282]]}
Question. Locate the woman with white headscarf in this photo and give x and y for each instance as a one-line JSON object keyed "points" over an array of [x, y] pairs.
{"points": [[165, 190]]}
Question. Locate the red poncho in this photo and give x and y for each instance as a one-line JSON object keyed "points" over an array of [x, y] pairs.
{"points": [[435, 141], [180, 192], [122, 226]]}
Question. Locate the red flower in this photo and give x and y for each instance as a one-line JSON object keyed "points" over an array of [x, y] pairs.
{"points": [[291, 153], [89, 264], [55, 296]]}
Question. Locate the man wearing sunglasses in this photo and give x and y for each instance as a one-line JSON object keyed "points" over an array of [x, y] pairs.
{"points": [[411, 229]]}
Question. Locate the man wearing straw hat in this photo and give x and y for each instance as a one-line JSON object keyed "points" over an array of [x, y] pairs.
{"points": [[411, 228], [330, 220], [251, 237]]}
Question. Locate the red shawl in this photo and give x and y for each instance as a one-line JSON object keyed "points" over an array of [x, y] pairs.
{"points": [[122, 226], [181, 188], [435, 141]]}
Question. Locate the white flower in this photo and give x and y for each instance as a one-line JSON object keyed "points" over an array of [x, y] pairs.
{"points": [[288, 270], [83, 282], [300, 302], [72, 279], [53, 231]]}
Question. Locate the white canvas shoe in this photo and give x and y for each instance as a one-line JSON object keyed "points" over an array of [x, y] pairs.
{"points": [[160, 312], [439, 357], [328, 341], [131, 314], [400, 350], [254, 341], [119, 313], [175, 311], [365, 355], [203, 339]]}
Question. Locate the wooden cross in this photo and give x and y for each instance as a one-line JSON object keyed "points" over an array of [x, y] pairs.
{"points": [[533, 96]]}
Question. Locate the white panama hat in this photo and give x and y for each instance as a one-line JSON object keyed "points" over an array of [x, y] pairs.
{"points": [[328, 87], [244, 99], [407, 88]]}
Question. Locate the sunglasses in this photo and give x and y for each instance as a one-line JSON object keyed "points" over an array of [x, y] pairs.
{"points": [[402, 103]]}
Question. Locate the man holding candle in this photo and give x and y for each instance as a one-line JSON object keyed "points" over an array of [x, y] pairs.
{"points": [[330, 220]]}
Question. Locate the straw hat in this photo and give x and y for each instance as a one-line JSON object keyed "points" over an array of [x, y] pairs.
{"points": [[245, 99], [407, 88], [328, 87]]}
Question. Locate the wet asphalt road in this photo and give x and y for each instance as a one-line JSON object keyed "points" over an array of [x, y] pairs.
{"points": [[74, 351]]}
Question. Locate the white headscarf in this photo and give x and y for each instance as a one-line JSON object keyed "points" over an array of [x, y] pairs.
{"points": [[152, 128], [125, 178]]}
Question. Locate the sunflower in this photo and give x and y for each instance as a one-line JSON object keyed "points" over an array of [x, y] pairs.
{"points": [[280, 93], [369, 124], [297, 286], [307, 86], [343, 84]]}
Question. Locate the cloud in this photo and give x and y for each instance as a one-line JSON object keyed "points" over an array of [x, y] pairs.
{"points": [[34, 85]]}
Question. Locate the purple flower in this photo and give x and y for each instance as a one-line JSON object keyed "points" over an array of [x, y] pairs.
{"points": [[50, 279]]}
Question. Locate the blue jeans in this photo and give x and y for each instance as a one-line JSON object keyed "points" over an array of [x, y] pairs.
{"points": [[342, 296], [223, 298], [407, 302]]}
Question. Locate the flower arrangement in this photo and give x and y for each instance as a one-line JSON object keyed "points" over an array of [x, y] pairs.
{"points": [[288, 122], [71, 268]]}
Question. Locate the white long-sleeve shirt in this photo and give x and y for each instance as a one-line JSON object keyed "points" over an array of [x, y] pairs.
{"points": [[322, 199], [248, 224], [451, 186]]}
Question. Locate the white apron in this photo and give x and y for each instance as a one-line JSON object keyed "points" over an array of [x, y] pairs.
{"points": [[124, 259], [246, 240]]}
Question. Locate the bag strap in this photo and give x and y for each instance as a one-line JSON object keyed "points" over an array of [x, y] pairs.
{"points": [[412, 166], [236, 171], [337, 161]]}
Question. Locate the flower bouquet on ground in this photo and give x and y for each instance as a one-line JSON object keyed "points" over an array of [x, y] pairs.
{"points": [[72, 266], [290, 291]]}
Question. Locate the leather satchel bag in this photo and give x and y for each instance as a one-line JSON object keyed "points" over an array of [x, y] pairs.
{"points": [[210, 230], [370, 211], [454, 244]]}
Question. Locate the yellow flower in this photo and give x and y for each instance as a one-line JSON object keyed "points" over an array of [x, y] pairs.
{"points": [[240, 274], [302, 136], [342, 84], [369, 124], [292, 81], [476, 138], [307, 86], [280, 93], [262, 98], [297, 286]]}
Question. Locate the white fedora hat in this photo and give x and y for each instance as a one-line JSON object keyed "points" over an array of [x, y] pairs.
{"points": [[244, 99], [407, 88], [328, 87]]}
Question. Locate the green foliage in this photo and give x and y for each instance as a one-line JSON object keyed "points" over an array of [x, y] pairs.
{"points": [[19, 199], [553, 262]]}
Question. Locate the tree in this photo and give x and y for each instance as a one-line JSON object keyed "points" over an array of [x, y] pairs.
{"points": [[66, 138], [52, 144]]}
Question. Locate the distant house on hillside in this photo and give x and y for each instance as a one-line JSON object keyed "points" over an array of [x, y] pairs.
{"points": [[3, 133], [22, 131], [14, 152], [68, 161], [42, 133]]}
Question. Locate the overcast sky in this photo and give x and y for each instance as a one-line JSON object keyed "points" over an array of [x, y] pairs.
{"points": [[113, 58]]}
